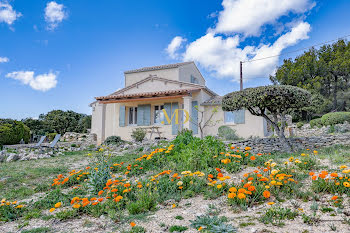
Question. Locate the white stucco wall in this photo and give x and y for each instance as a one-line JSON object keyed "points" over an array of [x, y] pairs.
{"points": [[112, 127], [97, 120], [253, 126], [156, 85], [186, 71], [131, 78]]}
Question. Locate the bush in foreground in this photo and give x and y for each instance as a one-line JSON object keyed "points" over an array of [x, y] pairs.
{"points": [[12, 131]]}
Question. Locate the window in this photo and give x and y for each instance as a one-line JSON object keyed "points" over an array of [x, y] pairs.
{"points": [[229, 117], [235, 117], [159, 114], [194, 80], [132, 115]]}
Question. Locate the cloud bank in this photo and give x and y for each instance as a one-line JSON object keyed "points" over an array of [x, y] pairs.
{"points": [[222, 48], [54, 14], [43, 82], [4, 59], [7, 13]]}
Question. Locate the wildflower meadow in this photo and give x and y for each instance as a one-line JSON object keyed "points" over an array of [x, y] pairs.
{"points": [[185, 185]]}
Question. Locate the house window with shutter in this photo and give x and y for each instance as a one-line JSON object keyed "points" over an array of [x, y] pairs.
{"points": [[159, 116], [229, 118], [194, 80], [236, 117], [132, 115]]}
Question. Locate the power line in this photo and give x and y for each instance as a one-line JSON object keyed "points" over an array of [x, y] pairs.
{"points": [[302, 49], [264, 58]]}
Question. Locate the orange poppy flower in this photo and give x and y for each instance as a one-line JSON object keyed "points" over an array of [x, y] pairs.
{"points": [[251, 188], [252, 158], [132, 224], [266, 194]]}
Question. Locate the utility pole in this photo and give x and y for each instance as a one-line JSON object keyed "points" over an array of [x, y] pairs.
{"points": [[241, 75]]}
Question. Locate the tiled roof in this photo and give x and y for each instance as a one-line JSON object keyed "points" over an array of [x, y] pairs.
{"points": [[148, 94], [216, 100], [169, 66]]}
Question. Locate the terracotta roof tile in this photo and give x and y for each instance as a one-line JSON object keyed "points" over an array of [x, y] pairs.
{"points": [[144, 94]]}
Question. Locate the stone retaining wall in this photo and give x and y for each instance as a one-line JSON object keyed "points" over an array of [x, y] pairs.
{"points": [[307, 131], [266, 145]]}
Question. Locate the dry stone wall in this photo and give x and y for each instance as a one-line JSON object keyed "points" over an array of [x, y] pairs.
{"points": [[266, 145]]}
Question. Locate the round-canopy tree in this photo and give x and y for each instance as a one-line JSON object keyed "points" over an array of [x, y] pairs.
{"points": [[271, 102]]}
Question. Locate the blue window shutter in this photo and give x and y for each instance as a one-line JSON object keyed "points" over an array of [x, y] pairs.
{"points": [[174, 126], [121, 115], [144, 115], [167, 107], [239, 116], [147, 114], [194, 117], [140, 114], [229, 117]]}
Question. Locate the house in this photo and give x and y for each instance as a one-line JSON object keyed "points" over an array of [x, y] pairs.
{"points": [[153, 97]]}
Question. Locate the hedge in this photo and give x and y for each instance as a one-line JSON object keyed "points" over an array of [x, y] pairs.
{"points": [[316, 122], [334, 118], [12, 131]]}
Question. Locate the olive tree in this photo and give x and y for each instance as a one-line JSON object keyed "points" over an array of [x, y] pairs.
{"points": [[270, 102]]}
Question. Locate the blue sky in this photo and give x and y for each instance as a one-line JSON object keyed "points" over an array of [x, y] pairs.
{"points": [[61, 54]]}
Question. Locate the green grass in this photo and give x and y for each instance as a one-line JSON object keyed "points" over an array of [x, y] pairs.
{"points": [[338, 154], [38, 230], [24, 178]]}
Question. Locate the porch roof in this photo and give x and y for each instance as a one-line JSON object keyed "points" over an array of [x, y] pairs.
{"points": [[147, 95]]}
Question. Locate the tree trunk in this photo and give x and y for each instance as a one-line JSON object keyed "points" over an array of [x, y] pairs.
{"points": [[280, 132], [335, 92]]}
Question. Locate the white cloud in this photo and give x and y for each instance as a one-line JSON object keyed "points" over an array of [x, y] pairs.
{"points": [[43, 82], [248, 16], [4, 59], [175, 45], [222, 55], [54, 14], [222, 48], [7, 13]]}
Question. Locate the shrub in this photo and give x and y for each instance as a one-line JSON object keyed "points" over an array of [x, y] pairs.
{"points": [[10, 211], [98, 178], [334, 118], [316, 122], [227, 133], [300, 124], [114, 140], [51, 136], [11, 132], [212, 224], [145, 202], [177, 228], [276, 215], [184, 137], [138, 134]]}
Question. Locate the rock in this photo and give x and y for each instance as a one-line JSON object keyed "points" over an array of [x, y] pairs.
{"points": [[2, 156], [13, 157], [147, 149]]}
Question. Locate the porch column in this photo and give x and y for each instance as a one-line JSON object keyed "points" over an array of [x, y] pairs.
{"points": [[187, 108]]}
